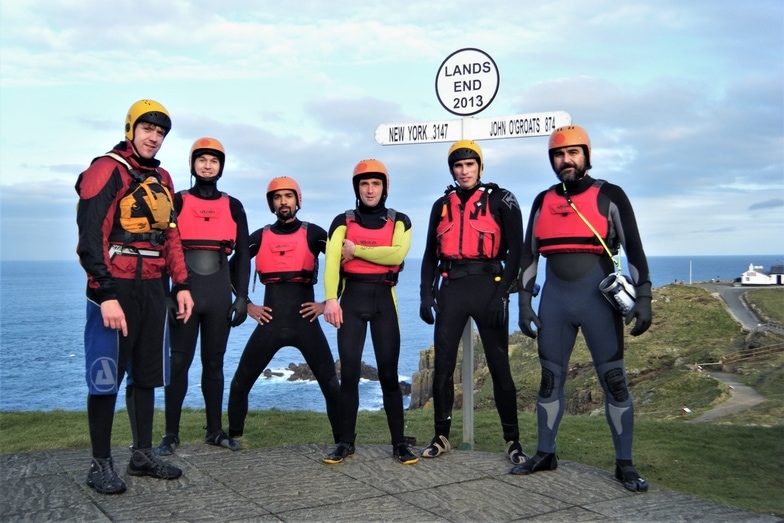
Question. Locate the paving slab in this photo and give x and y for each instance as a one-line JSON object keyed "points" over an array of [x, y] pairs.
{"points": [[291, 484]]}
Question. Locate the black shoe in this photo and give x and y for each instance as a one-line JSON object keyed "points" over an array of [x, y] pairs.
{"points": [[145, 462], [103, 478], [630, 478], [438, 445], [515, 452], [537, 462], [169, 442], [220, 439], [341, 452], [403, 453]]}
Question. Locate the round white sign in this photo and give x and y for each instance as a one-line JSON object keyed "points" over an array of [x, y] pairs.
{"points": [[467, 82]]}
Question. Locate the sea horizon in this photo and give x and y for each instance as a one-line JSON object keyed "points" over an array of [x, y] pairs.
{"points": [[42, 310]]}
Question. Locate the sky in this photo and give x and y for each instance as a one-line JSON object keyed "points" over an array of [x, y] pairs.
{"points": [[684, 103]]}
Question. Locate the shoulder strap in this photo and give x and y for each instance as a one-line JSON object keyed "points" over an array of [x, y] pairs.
{"points": [[134, 174]]}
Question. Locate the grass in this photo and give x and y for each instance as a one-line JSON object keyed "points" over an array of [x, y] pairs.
{"points": [[736, 460]]}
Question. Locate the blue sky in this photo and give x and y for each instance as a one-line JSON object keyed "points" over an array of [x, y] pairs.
{"points": [[684, 102]]}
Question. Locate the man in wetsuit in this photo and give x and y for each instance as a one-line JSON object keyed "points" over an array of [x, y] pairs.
{"points": [[128, 238], [286, 255], [365, 252], [577, 262], [473, 245], [212, 226]]}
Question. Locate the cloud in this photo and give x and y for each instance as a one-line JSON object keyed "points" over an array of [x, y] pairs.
{"points": [[767, 204]]}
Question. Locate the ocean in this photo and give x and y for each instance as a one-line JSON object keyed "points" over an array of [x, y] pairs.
{"points": [[42, 310]]}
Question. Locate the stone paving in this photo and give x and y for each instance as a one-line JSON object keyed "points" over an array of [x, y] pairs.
{"points": [[292, 484]]}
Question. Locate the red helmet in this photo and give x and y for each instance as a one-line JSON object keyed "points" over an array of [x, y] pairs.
{"points": [[280, 183], [207, 145], [570, 135], [370, 169]]}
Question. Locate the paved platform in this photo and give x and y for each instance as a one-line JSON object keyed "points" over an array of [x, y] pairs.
{"points": [[292, 484]]}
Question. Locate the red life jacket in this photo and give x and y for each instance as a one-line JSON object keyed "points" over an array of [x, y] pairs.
{"points": [[559, 229], [468, 231], [285, 257], [359, 269], [206, 224]]}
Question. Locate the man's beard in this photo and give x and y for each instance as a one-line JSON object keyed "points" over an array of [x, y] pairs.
{"points": [[576, 174], [285, 213]]}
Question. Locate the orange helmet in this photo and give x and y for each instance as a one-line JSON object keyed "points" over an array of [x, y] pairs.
{"points": [[207, 145], [569, 135], [281, 183], [370, 169], [465, 150], [148, 111]]}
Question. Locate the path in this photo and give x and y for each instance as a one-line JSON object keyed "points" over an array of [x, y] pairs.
{"points": [[291, 484]]}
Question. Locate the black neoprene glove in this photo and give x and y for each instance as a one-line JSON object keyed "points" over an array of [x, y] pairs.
{"points": [[427, 304], [496, 311], [641, 311], [238, 311], [527, 315]]}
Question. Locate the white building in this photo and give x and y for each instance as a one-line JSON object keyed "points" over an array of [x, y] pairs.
{"points": [[757, 276]]}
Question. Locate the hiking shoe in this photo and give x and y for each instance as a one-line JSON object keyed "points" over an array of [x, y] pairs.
{"points": [[630, 478], [145, 462], [341, 452], [220, 439], [103, 478], [169, 442], [515, 452], [403, 454], [537, 462], [439, 445]]}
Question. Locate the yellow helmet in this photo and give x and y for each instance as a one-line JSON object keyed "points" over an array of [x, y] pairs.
{"points": [[207, 145], [464, 150], [282, 183], [148, 111], [367, 169], [567, 136]]}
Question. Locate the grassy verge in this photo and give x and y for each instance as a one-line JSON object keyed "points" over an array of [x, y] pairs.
{"points": [[722, 463]]}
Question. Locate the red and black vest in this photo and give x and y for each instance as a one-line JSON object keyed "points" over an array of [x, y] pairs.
{"points": [[206, 224], [285, 257], [560, 229], [357, 268], [468, 231]]}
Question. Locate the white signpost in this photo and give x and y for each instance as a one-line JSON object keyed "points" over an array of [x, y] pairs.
{"points": [[466, 83]]}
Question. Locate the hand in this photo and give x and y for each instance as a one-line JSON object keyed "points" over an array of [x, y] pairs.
{"points": [[333, 313], [427, 304], [312, 310], [643, 313], [496, 311], [184, 306], [113, 316], [238, 311], [527, 316], [260, 313], [347, 252]]}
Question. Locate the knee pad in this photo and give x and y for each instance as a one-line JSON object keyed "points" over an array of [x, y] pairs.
{"points": [[550, 378], [615, 381]]}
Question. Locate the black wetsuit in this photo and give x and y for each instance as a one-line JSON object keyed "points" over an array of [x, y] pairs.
{"points": [[571, 301], [472, 287], [211, 320], [287, 328], [368, 302]]}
